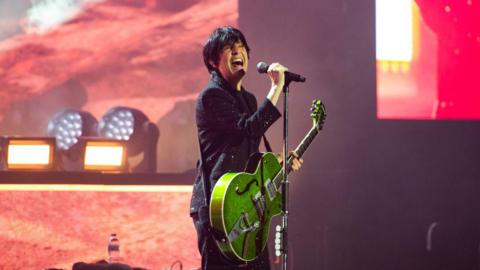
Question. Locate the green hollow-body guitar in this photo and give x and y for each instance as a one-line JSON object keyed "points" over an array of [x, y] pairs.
{"points": [[243, 203]]}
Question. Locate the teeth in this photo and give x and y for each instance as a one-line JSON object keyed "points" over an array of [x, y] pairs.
{"points": [[237, 62]]}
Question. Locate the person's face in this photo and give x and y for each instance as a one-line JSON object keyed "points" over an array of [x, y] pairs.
{"points": [[233, 63]]}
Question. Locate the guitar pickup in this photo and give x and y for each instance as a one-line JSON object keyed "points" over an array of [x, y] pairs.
{"points": [[271, 190]]}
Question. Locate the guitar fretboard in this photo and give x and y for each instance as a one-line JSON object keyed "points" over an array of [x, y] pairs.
{"points": [[300, 150]]}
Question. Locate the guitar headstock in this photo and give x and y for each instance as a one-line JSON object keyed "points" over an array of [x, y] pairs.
{"points": [[318, 113]]}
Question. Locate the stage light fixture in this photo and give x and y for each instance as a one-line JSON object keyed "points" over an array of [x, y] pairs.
{"points": [[23, 153], [132, 126], [104, 155], [68, 127]]}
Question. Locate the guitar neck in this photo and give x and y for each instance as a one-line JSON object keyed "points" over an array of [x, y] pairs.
{"points": [[300, 150], [305, 143]]}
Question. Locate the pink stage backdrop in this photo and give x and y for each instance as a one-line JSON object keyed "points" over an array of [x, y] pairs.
{"points": [[428, 57], [46, 229]]}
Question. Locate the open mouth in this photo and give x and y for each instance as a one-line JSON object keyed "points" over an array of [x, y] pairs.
{"points": [[237, 63]]}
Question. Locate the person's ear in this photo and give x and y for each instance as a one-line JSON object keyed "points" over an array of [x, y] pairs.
{"points": [[212, 64]]}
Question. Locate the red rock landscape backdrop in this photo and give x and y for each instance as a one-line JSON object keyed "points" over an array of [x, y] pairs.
{"points": [[93, 55], [54, 229], [140, 53]]}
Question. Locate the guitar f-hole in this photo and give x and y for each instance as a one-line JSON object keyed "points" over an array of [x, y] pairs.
{"points": [[247, 187]]}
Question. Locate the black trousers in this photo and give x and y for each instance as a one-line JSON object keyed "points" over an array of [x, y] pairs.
{"points": [[212, 258]]}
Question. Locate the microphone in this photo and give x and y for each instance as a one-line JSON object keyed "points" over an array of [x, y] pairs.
{"points": [[262, 67]]}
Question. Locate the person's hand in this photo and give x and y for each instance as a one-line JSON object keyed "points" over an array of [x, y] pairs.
{"points": [[276, 72], [296, 161]]}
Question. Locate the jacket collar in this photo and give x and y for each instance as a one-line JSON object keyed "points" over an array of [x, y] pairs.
{"points": [[217, 78]]}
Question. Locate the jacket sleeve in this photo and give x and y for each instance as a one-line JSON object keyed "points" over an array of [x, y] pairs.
{"points": [[223, 113]]}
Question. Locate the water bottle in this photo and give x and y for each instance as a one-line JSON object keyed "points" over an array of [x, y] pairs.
{"points": [[113, 249]]}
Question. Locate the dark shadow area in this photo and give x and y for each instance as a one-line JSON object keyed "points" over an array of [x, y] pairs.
{"points": [[369, 189]]}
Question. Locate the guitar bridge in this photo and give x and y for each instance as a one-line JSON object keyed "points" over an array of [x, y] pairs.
{"points": [[259, 203]]}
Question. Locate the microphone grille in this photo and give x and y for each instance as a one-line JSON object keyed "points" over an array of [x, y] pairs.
{"points": [[262, 67]]}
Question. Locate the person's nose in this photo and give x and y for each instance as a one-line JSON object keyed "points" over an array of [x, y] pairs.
{"points": [[235, 50]]}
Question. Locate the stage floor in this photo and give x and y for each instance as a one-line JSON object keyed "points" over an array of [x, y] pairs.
{"points": [[56, 225]]}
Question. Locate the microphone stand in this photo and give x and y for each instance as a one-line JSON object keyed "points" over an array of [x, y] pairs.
{"points": [[285, 183]]}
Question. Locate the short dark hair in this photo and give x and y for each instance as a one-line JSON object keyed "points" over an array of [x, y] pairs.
{"points": [[221, 37]]}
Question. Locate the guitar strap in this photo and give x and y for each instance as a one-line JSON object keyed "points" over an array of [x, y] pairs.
{"points": [[267, 144]]}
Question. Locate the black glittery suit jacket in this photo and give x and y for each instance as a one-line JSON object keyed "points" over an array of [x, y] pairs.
{"points": [[230, 127]]}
